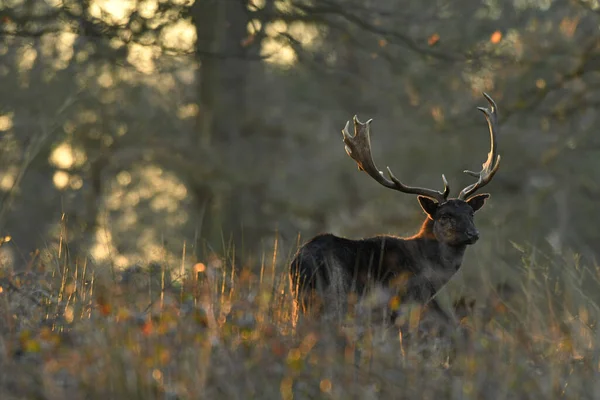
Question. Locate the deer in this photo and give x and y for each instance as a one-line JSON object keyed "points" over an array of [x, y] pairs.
{"points": [[329, 268]]}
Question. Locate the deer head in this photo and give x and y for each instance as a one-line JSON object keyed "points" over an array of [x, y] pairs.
{"points": [[452, 218]]}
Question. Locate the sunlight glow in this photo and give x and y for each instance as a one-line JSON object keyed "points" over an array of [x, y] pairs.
{"points": [[6, 122], [27, 59], [88, 116], [130, 219], [62, 156], [148, 8], [7, 178], [254, 26], [275, 47], [60, 179], [284, 6], [278, 53], [112, 11], [75, 182], [160, 203], [58, 48], [133, 195], [540, 84], [142, 57], [124, 178], [187, 111], [179, 36], [304, 33], [101, 249], [105, 79], [256, 4], [7, 182], [483, 79], [275, 28]]}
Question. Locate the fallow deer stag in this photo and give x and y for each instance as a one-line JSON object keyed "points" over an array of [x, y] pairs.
{"points": [[327, 268]]}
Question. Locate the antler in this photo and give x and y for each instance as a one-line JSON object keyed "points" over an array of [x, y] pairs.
{"points": [[490, 166], [358, 146]]}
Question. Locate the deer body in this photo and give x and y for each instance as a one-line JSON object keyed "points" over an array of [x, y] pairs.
{"points": [[327, 268], [358, 264], [423, 262]]}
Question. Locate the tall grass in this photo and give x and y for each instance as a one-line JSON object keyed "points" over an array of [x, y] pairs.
{"points": [[69, 329]]}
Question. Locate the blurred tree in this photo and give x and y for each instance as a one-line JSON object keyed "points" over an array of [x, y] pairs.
{"points": [[152, 122]]}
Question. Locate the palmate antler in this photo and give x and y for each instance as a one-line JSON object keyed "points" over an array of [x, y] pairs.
{"points": [[490, 166], [358, 146]]}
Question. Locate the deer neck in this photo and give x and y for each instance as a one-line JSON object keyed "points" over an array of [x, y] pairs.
{"points": [[450, 257], [426, 231]]}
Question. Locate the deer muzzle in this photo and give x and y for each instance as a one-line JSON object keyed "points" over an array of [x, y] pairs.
{"points": [[472, 235]]}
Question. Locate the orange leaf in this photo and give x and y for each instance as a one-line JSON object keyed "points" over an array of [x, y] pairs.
{"points": [[103, 304], [147, 327], [496, 37], [105, 309], [433, 39], [394, 303]]}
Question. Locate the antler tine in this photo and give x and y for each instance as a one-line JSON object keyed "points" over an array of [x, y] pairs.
{"points": [[358, 147], [490, 166]]}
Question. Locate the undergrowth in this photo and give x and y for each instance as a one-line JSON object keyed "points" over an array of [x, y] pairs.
{"points": [[69, 329]]}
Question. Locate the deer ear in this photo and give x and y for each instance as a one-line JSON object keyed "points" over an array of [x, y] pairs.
{"points": [[428, 205], [477, 201]]}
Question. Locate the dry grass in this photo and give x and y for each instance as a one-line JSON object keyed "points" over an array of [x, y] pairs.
{"points": [[68, 330]]}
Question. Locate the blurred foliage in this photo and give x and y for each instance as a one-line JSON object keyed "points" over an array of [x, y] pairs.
{"points": [[151, 129]]}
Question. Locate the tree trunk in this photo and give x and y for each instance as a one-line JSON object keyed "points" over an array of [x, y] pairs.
{"points": [[208, 19], [222, 81]]}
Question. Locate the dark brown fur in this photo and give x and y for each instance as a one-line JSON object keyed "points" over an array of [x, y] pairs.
{"points": [[328, 268]]}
